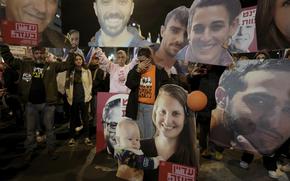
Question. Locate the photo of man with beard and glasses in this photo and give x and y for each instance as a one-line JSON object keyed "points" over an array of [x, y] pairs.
{"points": [[210, 27], [112, 112], [253, 103], [113, 17]]}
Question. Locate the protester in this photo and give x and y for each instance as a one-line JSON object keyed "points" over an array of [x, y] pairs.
{"points": [[10, 78], [144, 80], [78, 89], [98, 77], [206, 79], [118, 71], [38, 91]]}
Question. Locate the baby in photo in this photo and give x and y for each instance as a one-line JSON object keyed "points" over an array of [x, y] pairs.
{"points": [[131, 160]]}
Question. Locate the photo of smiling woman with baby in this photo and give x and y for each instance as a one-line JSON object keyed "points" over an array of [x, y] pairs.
{"points": [[175, 136]]}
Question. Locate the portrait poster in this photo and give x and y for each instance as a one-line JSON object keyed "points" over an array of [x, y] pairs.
{"points": [[127, 20], [111, 19], [175, 172], [252, 111], [110, 108], [208, 41], [46, 18], [244, 40], [18, 33]]}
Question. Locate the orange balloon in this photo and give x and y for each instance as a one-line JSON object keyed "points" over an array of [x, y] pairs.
{"points": [[196, 100]]}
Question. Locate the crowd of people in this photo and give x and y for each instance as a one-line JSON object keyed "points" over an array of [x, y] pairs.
{"points": [[164, 100]]}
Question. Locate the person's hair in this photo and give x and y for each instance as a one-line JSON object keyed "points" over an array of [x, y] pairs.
{"points": [[121, 52], [179, 14], [144, 51], [38, 48], [268, 35], [70, 32], [83, 59], [263, 52], [94, 56], [122, 125], [232, 81], [233, 8], [186, 142]]}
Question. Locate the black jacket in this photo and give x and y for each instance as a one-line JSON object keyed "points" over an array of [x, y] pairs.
{"points": [[133, 82], [98, 80], [207, 84], [26, 68]]}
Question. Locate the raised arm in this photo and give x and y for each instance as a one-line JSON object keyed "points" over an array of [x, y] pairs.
{"points": [[133, 62], [8, 57], [105, 63], [133, 78], [63, 66]]}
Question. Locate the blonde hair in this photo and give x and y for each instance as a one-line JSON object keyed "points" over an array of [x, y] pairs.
{"points": [[125, 121]]}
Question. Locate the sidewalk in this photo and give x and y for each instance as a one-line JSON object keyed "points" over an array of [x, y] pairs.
{"points": [[82, 164]]}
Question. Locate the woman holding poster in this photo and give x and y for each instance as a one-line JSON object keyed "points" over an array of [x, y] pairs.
{"points": [[175, 137]]}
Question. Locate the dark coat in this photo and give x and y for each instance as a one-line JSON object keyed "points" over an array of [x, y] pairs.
{"points": [[25, 70], [98, 80], [133, 82]]}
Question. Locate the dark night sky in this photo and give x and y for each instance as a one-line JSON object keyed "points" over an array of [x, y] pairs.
{"points": [[150, 14]]}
